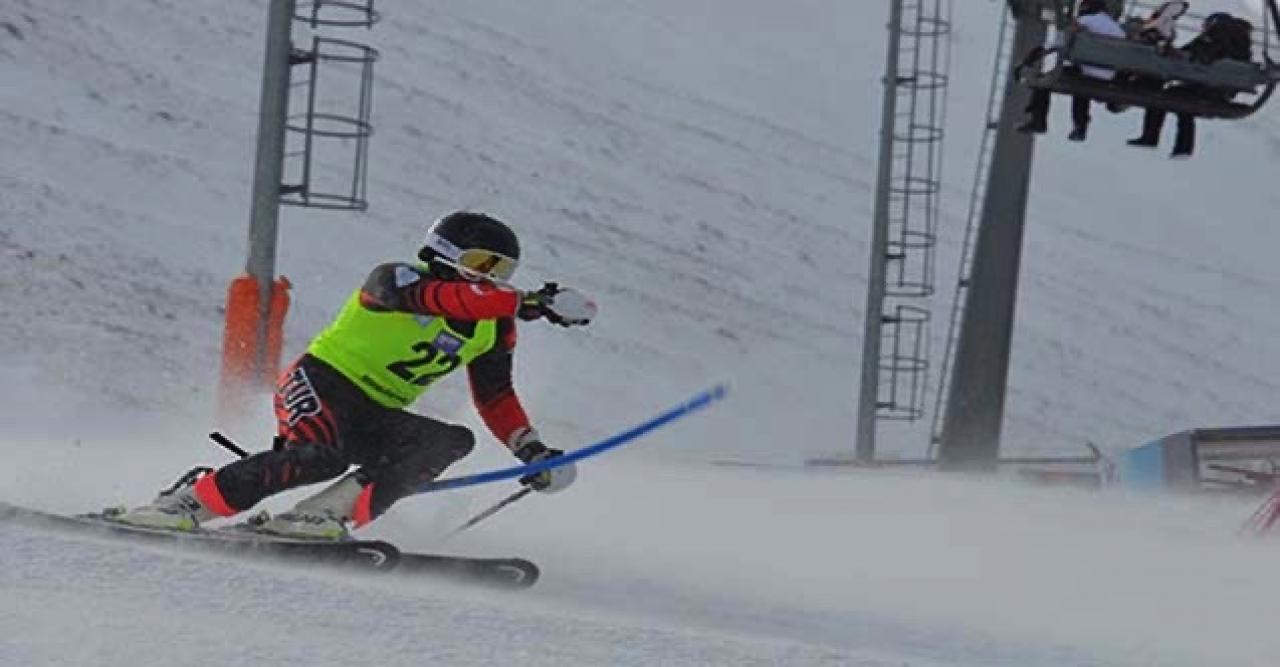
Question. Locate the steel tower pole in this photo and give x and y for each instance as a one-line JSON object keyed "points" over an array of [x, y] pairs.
{"points": [[975, 404], [268, 170], [871, 337]]}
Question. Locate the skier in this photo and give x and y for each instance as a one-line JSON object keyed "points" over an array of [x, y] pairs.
{"points": [[343, 401], [1093, 16]]}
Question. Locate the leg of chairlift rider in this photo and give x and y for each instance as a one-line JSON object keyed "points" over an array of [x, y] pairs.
{"points": [[1185, 144], [1038, 107], [1079, 117], [1152, 124]]}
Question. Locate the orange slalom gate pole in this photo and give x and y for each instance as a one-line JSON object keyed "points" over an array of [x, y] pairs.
{"points": [[239, 347], [249, 368], [275, 331]]}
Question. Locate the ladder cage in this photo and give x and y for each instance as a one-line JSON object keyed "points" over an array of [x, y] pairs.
{"points": [[896, 343], [913, 207], [333, 128], [915, 182], [337, 13], [904, 364], [914, 189]]}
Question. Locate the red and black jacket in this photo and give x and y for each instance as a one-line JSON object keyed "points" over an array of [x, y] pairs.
{"points": [[405, 288]]}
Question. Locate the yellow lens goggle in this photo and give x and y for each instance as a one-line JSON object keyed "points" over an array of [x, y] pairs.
{"points": [[473, 263], [485, 264]]}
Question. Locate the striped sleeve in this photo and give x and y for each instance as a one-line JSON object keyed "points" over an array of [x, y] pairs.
{"points": [[493, 391], [406, 288]]}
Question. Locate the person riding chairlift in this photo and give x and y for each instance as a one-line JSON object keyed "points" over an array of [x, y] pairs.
{"points": [[1161, 28], [1093, 16]]}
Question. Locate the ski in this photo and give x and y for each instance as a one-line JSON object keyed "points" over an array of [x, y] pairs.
{"points": [[497, 572], [366, 554], [372, 555]]}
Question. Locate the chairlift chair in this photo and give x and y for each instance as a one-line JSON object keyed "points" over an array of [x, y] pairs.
{"points": [[1146, 60]]}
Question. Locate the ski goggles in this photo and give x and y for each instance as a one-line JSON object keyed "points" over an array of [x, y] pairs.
{"points": [[476, 263], [473, 263]]}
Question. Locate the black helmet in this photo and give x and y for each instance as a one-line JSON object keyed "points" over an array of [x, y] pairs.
{"points": [[1217, 21], [470, 245], [1092, 7]]}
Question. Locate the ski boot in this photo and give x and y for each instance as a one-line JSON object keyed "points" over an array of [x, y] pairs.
{"points": [[175, 508], [323, 516]]}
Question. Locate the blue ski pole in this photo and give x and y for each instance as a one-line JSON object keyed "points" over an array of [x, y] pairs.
{"points": [[698, 402]]}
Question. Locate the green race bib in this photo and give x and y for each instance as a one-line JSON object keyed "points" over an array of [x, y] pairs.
{"points": [[396, 356]]}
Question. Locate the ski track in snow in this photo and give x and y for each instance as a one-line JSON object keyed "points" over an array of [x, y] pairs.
{"points": [[727, 565], [705, 170]]}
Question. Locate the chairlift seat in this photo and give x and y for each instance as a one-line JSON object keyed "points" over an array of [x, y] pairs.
{"points": [[1071, 83], [1142, 58]]}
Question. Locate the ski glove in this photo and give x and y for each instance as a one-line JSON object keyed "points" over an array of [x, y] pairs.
{"points": [[560, 305], [547, 481]]}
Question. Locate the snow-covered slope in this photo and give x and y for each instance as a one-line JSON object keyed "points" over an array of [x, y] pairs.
{"points": [[705, 170], [648, 564]]}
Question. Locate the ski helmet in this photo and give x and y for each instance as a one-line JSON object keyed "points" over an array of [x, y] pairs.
{"points": [[1092, 7], [1216, 21], [471, 245]]}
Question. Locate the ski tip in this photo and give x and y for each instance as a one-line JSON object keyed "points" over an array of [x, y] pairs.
{"points": [[498, 573], [528, 573]]}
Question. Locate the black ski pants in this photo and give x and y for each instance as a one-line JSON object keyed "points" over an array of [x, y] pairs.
{"points": [[1153, 124], [326, 424], [1185, 141], [1038, 107]]}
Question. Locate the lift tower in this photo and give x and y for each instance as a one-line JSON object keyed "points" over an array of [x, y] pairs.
{"points": [[970, 437], [895, 354], [979, 376]]}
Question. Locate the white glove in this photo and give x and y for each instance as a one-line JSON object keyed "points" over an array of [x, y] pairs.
{"points": [[560, 305]]}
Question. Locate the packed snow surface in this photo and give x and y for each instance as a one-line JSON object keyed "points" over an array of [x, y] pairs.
{"points": [[704, 169]]}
